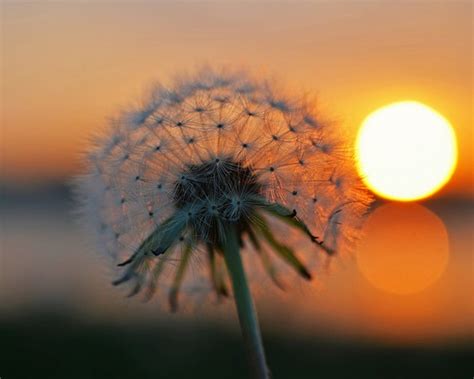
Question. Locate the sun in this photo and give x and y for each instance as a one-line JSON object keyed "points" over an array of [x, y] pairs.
{"points": [[406, 151]]}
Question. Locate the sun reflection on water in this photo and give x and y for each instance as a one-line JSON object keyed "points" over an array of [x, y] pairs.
{"points": [[404, 249]]}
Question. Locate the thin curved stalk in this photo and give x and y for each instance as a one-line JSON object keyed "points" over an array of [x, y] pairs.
{"points": [[245, 307]]}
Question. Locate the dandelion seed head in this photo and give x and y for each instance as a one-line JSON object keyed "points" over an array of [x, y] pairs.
{"points": [[206, 151]]}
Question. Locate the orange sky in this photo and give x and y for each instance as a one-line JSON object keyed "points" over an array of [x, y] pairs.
{"points": [[67, 66]]}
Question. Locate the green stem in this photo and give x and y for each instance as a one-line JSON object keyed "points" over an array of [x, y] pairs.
{"points": [[245, 307]]}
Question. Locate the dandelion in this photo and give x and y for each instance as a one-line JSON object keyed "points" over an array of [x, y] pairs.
{"points": [[220, 167]]}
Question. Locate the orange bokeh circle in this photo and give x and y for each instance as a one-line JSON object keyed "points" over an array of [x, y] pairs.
{"points": [[404, 249]]}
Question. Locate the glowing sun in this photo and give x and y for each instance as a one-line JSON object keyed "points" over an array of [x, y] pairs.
{"points": [[406, 151]]}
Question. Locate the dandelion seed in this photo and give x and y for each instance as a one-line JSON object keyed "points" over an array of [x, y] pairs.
{"points": [[237, 164]]}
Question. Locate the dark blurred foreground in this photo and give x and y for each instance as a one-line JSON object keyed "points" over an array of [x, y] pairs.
{"points": [[57, 346]]}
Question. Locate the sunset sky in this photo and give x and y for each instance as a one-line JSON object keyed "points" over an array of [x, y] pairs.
{"points": [[67, 66]]}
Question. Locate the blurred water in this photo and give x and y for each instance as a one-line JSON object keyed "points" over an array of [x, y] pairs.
{"points": [[46, 264], [56, 302]]}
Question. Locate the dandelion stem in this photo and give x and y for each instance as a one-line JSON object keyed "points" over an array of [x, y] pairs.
{"points": [[245, 307]]}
